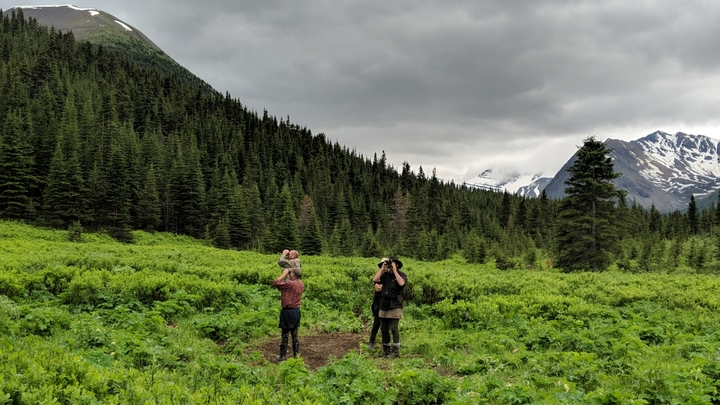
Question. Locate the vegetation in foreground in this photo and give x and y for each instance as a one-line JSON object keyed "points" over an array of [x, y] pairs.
{"points": [[171, 320]]}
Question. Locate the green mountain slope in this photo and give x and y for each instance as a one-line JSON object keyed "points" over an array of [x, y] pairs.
{"points": [[101, 28]]}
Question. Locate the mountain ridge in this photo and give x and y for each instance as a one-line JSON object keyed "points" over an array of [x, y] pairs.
{"points": [[660, 169], [101, 28]]}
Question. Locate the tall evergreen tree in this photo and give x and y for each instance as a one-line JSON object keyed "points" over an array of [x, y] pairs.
{"points": [[287, 229], [311, 241], [252, 205], [117, 198], [587, 225], [238, 221], [692, 216], [16, 169], [149, 212], [63, 201], [655, 224]]}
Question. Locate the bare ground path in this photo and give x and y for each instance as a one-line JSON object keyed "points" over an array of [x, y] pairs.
{"points": [[317, 349]]}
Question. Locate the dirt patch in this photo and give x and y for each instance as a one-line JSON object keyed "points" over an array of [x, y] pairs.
{"points": [[317, 349]]}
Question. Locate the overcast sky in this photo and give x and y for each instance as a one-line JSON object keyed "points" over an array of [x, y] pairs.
{"points": [[459, 86]]}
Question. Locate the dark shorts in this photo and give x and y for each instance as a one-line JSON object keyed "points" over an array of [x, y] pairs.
{"points": [[289, 318]]}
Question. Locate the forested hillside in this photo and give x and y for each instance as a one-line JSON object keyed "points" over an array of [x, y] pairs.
{"points": [[92, 141]]}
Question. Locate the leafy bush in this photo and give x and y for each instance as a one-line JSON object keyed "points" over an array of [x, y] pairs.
{"points": [[423, 387], [44, 321]]}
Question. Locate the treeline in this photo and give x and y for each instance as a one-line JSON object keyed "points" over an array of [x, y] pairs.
{"points": [[90, 140]]}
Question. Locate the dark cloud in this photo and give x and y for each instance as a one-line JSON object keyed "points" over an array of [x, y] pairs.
{"points": [[456, 85]]}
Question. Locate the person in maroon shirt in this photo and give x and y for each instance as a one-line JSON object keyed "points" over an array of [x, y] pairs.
{"points": [[291, 289]]}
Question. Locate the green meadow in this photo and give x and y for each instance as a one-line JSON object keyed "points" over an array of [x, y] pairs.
{"points": [[171, 320]]}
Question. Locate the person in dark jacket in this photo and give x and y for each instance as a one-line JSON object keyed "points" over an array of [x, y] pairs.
{"points": [[383, 264], [391, 304]]}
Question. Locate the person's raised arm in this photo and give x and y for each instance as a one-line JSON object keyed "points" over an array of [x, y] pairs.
{"points": [[283, 275], [398, 277], [379, 273]]}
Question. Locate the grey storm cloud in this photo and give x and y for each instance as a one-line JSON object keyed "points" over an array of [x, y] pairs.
{"points": [[459, 86]]}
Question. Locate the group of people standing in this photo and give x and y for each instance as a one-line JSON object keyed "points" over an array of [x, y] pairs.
{"points": [[387, 306]]}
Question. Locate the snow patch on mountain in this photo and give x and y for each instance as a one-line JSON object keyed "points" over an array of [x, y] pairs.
{"points": [[124, 25], [530, 185], [678, 162], [93, 11], [59, 5]]}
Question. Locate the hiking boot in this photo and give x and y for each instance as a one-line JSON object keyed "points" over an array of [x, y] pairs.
{"points": [[283, 354], [394, 352], [386, 351], [296, 349]]}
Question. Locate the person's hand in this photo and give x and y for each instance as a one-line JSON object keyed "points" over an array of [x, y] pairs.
{"points": [[285, 252], [378, 287]]}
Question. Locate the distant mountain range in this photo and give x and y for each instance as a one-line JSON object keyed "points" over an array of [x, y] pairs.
{"points": [[661, 169], [100, 28], [525, 185]]}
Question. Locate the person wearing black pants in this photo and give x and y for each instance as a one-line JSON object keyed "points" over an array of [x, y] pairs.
{"points": [[376, 307], [391, 305], [291, 290]]}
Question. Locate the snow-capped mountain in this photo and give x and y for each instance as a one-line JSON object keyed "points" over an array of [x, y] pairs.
{"points": [[660, 169], [525, 185], [535, 188]]}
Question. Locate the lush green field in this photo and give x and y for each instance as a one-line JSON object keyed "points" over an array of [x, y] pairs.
{"points": [[103, 322]]}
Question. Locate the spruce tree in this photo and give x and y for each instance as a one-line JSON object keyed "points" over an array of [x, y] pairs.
{"points": [[655, 224], [311, 240], [63, 200], [370, 245], [287, 228], [16, 170], [62, 203], [117, 198], [252, 205], [588, 230], [148, 212], [692, 216], [238, 221]]}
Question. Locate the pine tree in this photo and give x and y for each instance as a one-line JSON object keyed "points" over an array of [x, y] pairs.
{"points": [[692, 216], [335, 242], [220, 235], [655, 224], [252, 205], [63, 200], [16, 169], [311, 241], [117, 198], [287, 229], [348, 244], [62, 203], [587, 225], [370, 245], [149, 212], [238, 221]]}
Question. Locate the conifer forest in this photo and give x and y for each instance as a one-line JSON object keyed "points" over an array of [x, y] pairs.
{"points": [[92, 141]]}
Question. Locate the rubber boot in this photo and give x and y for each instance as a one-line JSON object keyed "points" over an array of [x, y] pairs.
{"points": [[296, 349], [386, 350], [283, 353], [394, 352]]}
